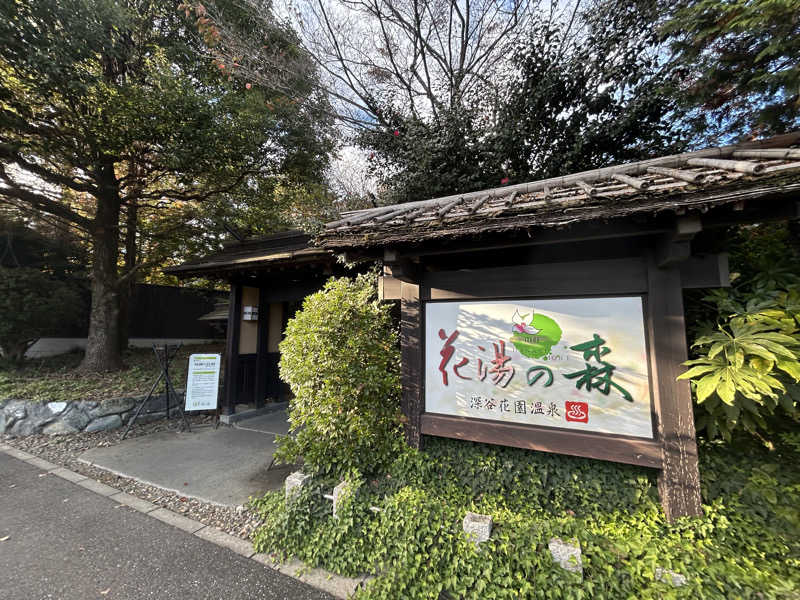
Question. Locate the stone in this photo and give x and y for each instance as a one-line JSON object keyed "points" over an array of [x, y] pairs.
{"points": [[104, 424], [56, 407], [68, 475], [58, 428], [231, 542], [176, 520], [75, 417], [134, 502], [25, 427], [15, 410], [671, 577], [343, 491], [294, 482], [2, 422], [477, 527], [112, 407], [568, 555]]}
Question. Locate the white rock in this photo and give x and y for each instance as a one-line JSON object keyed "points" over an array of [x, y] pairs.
{"points": [[56, 407], [342, 491], [294, 482], [671, 577], [477, 527], [568, 555]]}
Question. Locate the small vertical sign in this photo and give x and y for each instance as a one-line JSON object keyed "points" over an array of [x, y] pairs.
{"points": [[202, 383]]}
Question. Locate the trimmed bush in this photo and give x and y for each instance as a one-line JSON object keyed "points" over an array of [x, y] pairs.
{"points": [[341, 360]]}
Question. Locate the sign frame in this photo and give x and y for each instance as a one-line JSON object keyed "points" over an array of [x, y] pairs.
{"points": [[215, 385], [647, 451]]}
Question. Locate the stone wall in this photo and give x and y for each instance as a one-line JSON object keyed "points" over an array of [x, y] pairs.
{"points": [[24, 417]]}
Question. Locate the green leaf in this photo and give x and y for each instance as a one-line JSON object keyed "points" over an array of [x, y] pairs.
{"points": [[707, 385], [726, 390], [791, 367]]}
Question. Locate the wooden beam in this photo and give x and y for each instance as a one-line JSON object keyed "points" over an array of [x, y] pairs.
{"points": [[411, 337], [739, 166], [401, 267], [389, 288], [709, 271], [676, 247], [262, 350], [679, 478], [614, 276], [634, 451], [232, 348]]}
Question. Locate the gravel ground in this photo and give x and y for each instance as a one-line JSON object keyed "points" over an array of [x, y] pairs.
{"points": [[64, 450]]}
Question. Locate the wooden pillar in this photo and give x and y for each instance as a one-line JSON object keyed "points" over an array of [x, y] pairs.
{"points": [[411, 336], [262, 348], [679, 478], [232, 349]]}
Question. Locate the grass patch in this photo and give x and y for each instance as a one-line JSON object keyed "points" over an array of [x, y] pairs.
{"points": [[53, 379], [747, 545]]}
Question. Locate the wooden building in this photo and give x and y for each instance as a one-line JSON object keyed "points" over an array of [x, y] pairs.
{"points": [[643, 231], [268, 278]]}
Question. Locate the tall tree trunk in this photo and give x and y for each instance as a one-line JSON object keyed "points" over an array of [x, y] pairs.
{"points": [[102, 346], [126, 290]]}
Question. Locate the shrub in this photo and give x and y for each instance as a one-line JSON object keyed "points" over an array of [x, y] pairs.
{"points": [[32, 304], [341, 360], [746, 346]]}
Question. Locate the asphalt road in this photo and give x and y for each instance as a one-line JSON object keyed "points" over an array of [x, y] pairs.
{"points": [[65, 542]]}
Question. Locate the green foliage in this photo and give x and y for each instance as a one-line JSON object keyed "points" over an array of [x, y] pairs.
{"points": [[581, 94], [746, 346], [52, 378], [746, 546], [739, 60], [32, 304], [341, 360]]}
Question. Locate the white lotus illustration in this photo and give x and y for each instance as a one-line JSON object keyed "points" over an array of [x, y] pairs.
{"points": [[522, 323]]}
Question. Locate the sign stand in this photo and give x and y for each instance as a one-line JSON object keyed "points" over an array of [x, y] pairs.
{"points": [[165, 356], [202, 384]]}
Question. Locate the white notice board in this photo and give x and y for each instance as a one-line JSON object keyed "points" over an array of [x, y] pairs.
{"points": [[202, 383]]}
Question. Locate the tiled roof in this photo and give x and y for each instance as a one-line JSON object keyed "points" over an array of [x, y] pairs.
{"points": [[677, 183]]}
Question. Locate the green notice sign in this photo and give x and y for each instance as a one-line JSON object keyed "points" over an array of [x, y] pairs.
{"points": [[202, 383]]}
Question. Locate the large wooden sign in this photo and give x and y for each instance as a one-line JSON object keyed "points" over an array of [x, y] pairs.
{"points": [[576, 358], [570, 363]]}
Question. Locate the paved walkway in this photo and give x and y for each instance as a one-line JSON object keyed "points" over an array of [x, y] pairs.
{"points": [[65, 542], [225, 465]]}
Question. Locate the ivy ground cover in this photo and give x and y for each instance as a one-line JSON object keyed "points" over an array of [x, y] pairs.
{"points": [[746, 546]]}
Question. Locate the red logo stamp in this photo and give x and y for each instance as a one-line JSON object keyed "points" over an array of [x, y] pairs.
{"points": [[577, 411]]}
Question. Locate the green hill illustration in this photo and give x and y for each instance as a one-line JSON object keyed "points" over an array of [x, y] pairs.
{"points": [[535, 338]]}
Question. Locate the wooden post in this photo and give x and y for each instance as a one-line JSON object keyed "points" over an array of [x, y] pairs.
{"points": [[679, 478], [232, 348], [261, 348], [411, 336]]}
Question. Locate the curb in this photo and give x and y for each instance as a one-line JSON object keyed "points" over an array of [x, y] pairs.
{"points": [[335, 585]]}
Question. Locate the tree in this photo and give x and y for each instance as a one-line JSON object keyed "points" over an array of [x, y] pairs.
{"points": [[578, 91], [739, 61], [580, 101], [32, 304], [112, 108]]}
